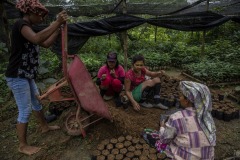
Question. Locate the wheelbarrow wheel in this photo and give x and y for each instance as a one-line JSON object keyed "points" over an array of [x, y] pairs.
{"points": [[72, 125]]}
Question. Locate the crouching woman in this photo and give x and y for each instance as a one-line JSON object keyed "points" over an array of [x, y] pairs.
{"points": [[189, 133]]}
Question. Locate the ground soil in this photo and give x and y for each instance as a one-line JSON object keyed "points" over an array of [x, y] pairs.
{"points": [[58, 145]]}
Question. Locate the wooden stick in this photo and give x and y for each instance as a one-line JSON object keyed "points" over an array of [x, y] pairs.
{"points": [[187, 75], [210, 84], [223, 84]]}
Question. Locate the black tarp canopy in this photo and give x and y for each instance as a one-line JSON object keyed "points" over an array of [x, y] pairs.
{"points": [[134, 7], [185, 17], [79, 33]]}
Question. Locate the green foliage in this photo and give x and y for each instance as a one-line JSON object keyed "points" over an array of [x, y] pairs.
{"points": [[229, 31], [170, 47], [237, 89], [3, 52], [153, 58], [166, 47], [3, 88], [213, 71], [183, 53], [143, 37], [3, 84], [93, 61], [224, 50], [101, 45], [3, 48], [94, 52], [49, 62]]}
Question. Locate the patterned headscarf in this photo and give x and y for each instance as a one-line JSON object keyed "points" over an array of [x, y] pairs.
{"points": [[200, 96], [34, 6]]}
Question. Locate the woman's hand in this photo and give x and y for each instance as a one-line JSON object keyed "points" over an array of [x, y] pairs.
{"points": [[113, 74], [62, 17], [162, 124], [161, 72], [103, 76], [136, 106]]}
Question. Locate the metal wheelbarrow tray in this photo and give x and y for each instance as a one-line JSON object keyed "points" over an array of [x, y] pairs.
{"points": [[84, 93]]}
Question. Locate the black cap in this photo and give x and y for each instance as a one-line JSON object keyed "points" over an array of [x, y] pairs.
{"points": [[112, 56]]}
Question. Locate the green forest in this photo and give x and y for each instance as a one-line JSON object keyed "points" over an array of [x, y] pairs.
{"points": [[215, 60]]}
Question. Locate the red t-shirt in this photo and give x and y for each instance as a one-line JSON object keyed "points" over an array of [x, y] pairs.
{"points": [[135, 80]]}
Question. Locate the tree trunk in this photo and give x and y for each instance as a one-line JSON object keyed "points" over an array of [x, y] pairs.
{"points": [[124, 37]]}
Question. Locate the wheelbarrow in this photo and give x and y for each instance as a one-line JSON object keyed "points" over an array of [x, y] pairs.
{"points": [[84, 93]]}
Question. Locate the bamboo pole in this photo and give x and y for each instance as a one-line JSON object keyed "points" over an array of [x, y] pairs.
{"points": [[155, 33], [204, 34], [203, 43], [210, 84], [207, 7], [230, 96], [224, 83], [191, 77], [124, 36]]}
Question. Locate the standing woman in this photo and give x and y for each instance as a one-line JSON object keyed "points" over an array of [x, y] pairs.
{"points": [[23, 65]]}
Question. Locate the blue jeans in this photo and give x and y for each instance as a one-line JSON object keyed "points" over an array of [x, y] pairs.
{"points": [[24, 91]]}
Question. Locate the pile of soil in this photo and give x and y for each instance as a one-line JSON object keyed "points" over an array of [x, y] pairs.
{"points": [[129, 121]]}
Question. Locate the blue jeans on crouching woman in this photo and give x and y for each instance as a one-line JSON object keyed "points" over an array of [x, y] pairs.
{"points": [[24, 91]]}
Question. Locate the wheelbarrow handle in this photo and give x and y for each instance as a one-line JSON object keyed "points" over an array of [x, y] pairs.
{"points": [[64, 48]]}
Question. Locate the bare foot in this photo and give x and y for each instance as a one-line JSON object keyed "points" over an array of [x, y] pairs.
{"points": [[50, 128], [29, 150]]}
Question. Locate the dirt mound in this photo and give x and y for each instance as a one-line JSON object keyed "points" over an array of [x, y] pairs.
{"points": [[129, 121]]}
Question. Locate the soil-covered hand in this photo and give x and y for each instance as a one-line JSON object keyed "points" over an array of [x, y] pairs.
{"points": [[136, 106], [162, 123], [112, 72], [103, 76], [161, 72]]}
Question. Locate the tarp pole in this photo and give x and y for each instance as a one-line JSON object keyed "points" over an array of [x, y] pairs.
{"points": [[124, 36], [207, 5], [204, 34], [203, 43], [155, 33], [64, 49]]}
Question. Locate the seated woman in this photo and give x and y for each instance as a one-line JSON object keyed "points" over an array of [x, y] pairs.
{"points": [[189, 133], [110, 77], [137, 87]]}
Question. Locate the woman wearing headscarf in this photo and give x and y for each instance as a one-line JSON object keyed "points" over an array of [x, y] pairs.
{"points": [[23, 64], [188, 134]]}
